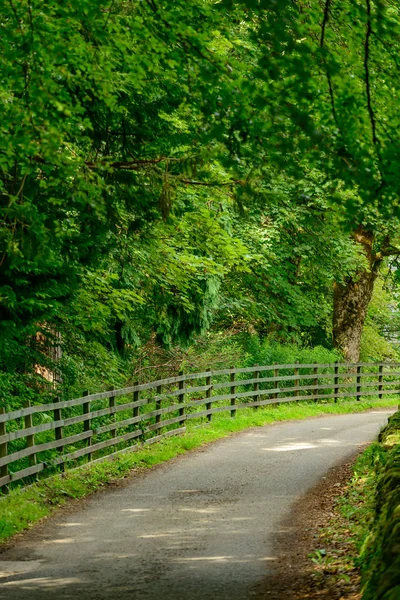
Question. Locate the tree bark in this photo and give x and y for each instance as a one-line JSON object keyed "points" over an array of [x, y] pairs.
{"points": [[351, 300]]}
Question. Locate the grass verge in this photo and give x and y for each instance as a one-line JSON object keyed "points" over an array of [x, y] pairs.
{"points": [[23, 507]]}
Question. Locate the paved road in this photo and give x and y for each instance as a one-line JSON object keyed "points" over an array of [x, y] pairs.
{"points": [[201, 527]]}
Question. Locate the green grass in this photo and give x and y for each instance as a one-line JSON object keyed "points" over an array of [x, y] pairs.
{"points": [[23, 507]]}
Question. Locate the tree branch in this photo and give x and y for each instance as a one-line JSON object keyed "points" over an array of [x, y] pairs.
{"points": [[328, 75], [367, 75], [214, 183], [390, 251], [325, 22]]}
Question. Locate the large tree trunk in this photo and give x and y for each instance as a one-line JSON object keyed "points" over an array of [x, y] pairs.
{"points": [[351, 300]]}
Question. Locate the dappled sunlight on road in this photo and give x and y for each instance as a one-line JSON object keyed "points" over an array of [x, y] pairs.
{"points": [[293, 446]]}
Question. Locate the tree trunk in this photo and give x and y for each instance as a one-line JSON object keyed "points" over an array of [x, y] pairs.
{"points": [[351, 300]]}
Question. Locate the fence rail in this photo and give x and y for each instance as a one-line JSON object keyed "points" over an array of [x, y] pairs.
{"points": [[40, 438]]}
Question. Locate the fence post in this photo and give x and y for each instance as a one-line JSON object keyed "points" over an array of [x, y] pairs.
{"points": [[336, 383], [296, 381], [136, 399], [30, 439], [276, 374], [208, 394], [358, 389], [181, 399], [3, 452], [158, 403], [87, 423], [58, 430], [315, 390], [256, 385], [380, 380], [111, 406], [233, 393]]}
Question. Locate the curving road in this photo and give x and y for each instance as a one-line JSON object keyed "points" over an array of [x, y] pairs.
{"points": [[200, 527]]}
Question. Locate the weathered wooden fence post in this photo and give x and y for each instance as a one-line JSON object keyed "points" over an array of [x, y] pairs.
{"points": [[57, 415], [336, 383], [136, 399], [181, 398], [87, 423], [111, 406], [30, 439], [358, 388], [276, 382], [233, 392], [296, 381], [256, 385], [158, 403], [3, 452], [380, 380], [208, 394], [315, 390]]}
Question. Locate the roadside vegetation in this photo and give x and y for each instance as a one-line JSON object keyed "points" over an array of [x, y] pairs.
{"points": [[359, 547]]}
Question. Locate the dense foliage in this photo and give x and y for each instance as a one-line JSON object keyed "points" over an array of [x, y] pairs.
{"points": [[168, 169]]}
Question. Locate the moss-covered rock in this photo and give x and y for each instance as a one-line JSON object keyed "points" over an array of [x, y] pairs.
{"points": [[381, 552]]}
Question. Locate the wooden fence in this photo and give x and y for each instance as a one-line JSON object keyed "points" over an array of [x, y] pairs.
{"points": [[44, 438]]}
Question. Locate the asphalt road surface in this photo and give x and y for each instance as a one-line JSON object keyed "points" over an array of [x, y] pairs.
{"points": [[200, 527]]}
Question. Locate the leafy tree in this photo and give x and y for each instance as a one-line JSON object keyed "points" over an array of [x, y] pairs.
{"points": [[337, 82], [107, 109]]}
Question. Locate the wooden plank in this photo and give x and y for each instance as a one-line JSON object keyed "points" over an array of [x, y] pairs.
{"points": [[46, 446], [167, 434], [188, 390], [28, 472], [136, 419], [70, 421], [117, 425], [134, 448], [165, 423], [98, 446], [261, 380], [380, 381], [204, 413]]}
